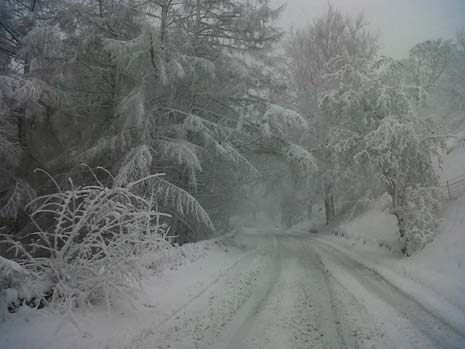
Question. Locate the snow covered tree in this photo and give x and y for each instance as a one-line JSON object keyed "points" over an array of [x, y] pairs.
{"points": [[21, 102], [371, 115], [448, 93], [16, 20], [427, 62], [319, 55], [230, 24], [34, 50], [182, 84], [401, 143], [368, 115], [140, 87]]}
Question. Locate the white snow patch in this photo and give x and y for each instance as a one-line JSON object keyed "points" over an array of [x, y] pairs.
{"points": [[454, 164], [453, 142], [373, 227], [184, 274]]}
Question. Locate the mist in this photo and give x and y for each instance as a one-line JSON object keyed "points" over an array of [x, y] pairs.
{"points": [[400, 23]]}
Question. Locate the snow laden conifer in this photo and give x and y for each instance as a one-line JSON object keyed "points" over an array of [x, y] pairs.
{"points": [[158, 95], [179, 103], [153, 130], [180, 95], [22, 102], [281, 127]]}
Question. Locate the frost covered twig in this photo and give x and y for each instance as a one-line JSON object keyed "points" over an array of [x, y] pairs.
{"points": [[93, 247]]}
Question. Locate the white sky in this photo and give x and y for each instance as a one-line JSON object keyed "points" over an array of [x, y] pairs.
{"points": [[400, 23]]}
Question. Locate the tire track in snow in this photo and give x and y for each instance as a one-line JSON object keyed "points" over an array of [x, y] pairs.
{"points": [[321, 313], [403, 318], [294, 309], [356, 327], [202, 320], [151, 330], [242, 330]]}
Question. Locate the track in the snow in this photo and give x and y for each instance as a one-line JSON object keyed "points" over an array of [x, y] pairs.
{"points": [[416, 326], [297, 292]]}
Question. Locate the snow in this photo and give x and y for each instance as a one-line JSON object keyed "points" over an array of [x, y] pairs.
{"points": [[267, 287], [441, 295], [15, 283], [182, 278], [454, 164], [454, 142], [375, 227], [435, 275]]}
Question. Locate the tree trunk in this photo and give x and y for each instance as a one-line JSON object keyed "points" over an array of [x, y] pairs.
{"points": [[331, 201], [329, 204], [197, 27], [310, 209], [400, 224], [326, 211], [27, 64], [27, 57], [396, 204], [165, 8]]}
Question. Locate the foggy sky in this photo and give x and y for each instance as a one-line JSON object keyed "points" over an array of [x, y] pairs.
{"points": [[399, 23]]}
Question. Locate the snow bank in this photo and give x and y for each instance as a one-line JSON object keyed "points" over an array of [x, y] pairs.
{"points": [[442, 262], [445, 256], [454, 164], [435, 275], [178, 276], [16, 286], [12, 277], [439, 295], [373, 228], [456, 141]]}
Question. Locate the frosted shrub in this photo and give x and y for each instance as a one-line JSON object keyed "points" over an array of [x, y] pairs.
{"points": [[16, 285], [420, 218], [92, 249]]}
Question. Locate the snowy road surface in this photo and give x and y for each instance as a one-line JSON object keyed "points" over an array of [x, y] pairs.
{"points": [[299, 292]]}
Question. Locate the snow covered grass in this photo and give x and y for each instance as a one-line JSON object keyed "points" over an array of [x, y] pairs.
{"points": [[186, 271]]}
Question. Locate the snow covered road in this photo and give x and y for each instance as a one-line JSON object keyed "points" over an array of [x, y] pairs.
{"points": [[299, 292]]}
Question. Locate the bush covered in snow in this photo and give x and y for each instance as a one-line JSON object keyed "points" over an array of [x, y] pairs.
{"points": [[92, 249], [419, 217], [16, 285]]}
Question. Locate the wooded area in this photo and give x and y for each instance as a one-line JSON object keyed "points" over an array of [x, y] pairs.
{"points": [[199, 107]]}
